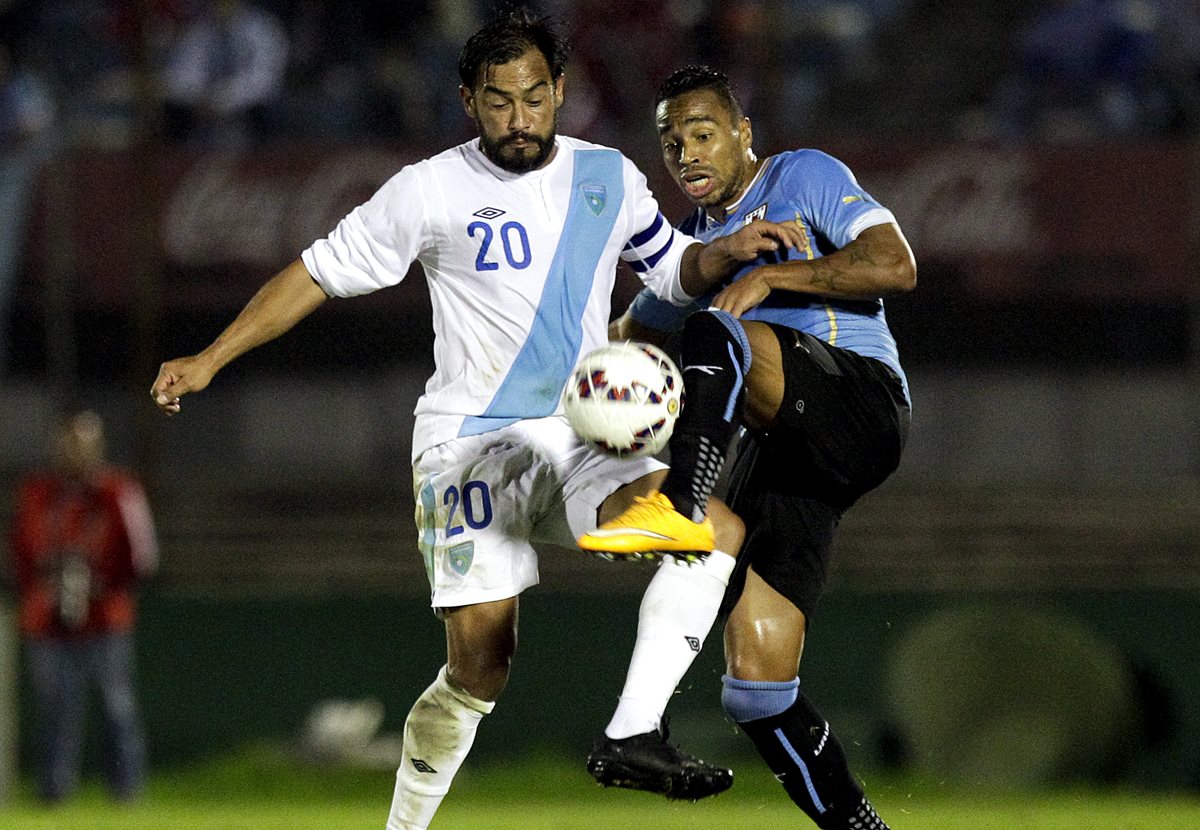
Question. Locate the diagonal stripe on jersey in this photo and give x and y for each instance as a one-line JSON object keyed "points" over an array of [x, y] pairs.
{"points": [[532, 387]]}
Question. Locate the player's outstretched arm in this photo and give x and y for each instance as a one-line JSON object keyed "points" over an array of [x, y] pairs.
{"points": [[879, 263], [286, 299], [703, 266]]}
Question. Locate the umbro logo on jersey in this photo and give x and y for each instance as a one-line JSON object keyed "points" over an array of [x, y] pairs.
{"points": [[488, 213], [708, 370], [759, 212], [422, 767]]}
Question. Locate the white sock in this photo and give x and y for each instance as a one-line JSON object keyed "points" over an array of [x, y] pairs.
{"points": [[437, 737], [678, 609]]}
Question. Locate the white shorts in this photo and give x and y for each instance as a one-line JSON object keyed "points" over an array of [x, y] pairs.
{"points": [[484, 499]]}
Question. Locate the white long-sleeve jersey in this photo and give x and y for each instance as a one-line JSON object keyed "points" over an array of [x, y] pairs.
{"points": [[520, 269]]}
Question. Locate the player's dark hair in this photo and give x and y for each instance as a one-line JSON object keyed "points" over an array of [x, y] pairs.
{"points": [[693, 77], [514, 30]]}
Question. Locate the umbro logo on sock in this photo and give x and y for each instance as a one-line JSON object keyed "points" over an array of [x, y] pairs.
{"points": [[422, 767], [693, 643]]}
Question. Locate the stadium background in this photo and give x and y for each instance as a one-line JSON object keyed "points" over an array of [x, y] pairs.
{"points": [[1017, 605]]}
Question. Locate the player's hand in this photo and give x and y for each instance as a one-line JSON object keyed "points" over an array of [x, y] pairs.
{"points": [[176, 378], [743, 295], [761, 236]]}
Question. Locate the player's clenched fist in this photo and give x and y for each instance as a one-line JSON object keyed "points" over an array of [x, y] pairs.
{"points": [[175, 379]]}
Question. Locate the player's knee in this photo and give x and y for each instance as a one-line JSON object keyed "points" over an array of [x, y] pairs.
{"points": [[481, 640], [447, 697], [481, 676], [763, 648], [716, 326]]}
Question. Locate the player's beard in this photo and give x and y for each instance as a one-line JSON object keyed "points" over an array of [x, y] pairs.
{"points": [[516, 161], [731, 190]]}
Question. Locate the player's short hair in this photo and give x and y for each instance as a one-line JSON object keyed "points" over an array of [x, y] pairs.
{"points": [[514, 30], [693, 77]]}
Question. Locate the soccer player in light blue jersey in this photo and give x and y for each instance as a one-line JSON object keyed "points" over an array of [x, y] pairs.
{"points": [[796, 347], [519, 233]]}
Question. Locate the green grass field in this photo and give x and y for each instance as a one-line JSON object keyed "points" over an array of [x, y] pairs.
{"points": [[260, 789]]}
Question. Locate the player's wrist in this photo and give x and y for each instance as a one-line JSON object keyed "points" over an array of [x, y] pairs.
{"points": [[712, 263], [774, 277], [710, 254], [208, 362]]}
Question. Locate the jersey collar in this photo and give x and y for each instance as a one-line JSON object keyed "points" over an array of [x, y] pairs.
{"points": [[736, 204]]}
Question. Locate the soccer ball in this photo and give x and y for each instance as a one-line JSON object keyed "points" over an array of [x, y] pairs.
{"points": [[624, 398]]}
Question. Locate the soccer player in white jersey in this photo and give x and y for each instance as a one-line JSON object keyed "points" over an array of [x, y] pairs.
{"points": [[519, 233]]}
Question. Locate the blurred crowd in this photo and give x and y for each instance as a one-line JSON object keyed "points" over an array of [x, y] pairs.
{"points": [[229, 73], [204, 75]]}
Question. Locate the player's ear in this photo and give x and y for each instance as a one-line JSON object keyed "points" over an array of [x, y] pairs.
{"points": [[746, 133], [468, 100], [558, 90]]}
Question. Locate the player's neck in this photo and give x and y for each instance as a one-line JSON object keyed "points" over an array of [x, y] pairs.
{"points": [[720, 212]]}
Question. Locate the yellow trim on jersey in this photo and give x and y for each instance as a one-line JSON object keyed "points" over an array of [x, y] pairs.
{"points": [[807, 249]]}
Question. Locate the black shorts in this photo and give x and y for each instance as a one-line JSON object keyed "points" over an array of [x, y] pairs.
{"points": [[840, 431]]}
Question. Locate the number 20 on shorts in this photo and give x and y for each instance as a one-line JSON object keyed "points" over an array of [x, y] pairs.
{"points": [[472, 505]]}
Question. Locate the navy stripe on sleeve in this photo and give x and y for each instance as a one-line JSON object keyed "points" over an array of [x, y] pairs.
{"points": [[653, 259], [648, 234]]}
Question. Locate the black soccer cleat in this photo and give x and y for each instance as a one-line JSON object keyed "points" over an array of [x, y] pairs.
{"points": [[647, 762]]}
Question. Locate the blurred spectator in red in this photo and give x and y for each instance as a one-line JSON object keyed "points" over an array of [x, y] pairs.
{"points": [[82, 539], [223, 70]]}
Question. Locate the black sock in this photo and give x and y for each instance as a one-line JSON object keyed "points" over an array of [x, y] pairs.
{"points": [[715, 356], [810, 762]]}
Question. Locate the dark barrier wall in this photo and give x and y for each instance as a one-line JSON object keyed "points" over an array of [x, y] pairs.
{"points": [[218, 674], [1029, 222]]}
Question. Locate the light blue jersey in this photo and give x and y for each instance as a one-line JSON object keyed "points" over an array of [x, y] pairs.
{"points": [[819, 193]]}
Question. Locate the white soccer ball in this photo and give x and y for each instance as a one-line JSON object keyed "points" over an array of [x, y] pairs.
{"points": [[624, 398]]}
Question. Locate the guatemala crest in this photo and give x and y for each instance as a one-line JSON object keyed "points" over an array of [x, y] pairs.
{"points": [[594, 195], [460, 557]]}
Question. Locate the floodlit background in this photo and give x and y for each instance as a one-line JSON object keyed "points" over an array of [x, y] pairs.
{"points": [[1017, 606]]}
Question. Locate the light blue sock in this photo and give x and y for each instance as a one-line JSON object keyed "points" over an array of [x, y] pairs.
{"points": [[747, 700]]}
